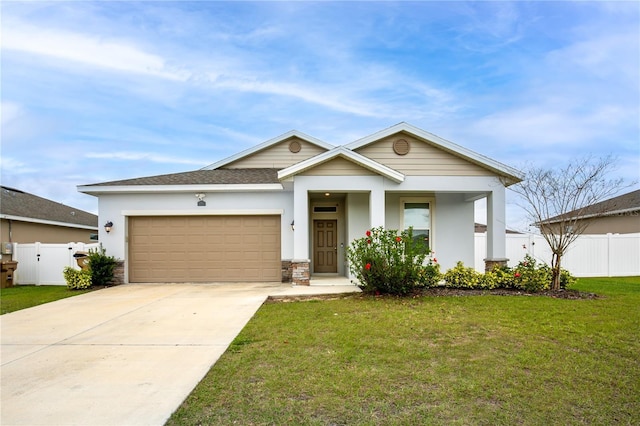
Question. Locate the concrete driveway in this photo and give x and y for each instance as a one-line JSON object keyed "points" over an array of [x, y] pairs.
{"points": [[126, 355]]}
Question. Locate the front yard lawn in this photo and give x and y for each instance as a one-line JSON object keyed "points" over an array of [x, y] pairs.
{"points": [[367, 360], [26, 296]]}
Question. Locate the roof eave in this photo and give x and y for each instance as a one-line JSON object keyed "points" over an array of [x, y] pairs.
{"points": [[139, 189], [48, 222]]}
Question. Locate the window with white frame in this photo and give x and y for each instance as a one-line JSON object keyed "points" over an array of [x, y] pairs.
{"points": [[417, 213]]}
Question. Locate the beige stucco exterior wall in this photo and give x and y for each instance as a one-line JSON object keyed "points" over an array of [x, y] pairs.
{"points": [[623, 224], [278, 156], [423, 159], [27, 232]]}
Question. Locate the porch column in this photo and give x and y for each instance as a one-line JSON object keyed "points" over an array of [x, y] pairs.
{"points": [[496, 229], [300, 273], [376, 207]]}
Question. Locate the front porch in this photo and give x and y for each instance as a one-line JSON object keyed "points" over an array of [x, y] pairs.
{"points": [[328, 218]]}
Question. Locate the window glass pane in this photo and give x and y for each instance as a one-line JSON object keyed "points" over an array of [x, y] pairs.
{"points": [[416, 215]]}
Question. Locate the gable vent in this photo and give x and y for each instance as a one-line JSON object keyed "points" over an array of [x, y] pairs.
{"points": [[401, 146], [295, 147]]}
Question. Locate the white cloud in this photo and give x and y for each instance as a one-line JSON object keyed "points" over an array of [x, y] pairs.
{"points": [[116, 55], [10, 111], [143, 156]]}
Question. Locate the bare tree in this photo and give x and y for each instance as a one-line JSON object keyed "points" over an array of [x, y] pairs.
{"points": [[562, 202]]}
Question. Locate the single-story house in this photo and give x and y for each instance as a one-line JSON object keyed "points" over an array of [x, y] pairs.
{"points": [[28, 218], [287, 209], [617, 215]]}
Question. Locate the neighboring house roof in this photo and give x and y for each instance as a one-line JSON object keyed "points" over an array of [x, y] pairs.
{"points": [[624, 203], [482, 228], [512, 174], [267, 144], [343, 152], [20, 205]]}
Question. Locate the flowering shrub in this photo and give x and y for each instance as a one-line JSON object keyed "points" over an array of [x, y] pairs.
{"points": [[530, 276], [77, 279], [385, 262]]}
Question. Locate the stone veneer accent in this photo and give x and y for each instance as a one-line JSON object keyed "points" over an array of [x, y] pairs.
{"points": [[118, 273], [489, 264], [300, 272], [286, 271]]}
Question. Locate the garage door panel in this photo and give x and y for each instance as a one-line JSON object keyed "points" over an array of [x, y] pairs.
{"points": [[204, 248]]}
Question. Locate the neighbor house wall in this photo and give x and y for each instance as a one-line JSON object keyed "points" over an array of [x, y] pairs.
{"points": [[625, 223], [28, 232]]}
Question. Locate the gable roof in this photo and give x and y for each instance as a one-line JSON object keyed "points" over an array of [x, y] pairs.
{"points": [[20, 205], [512, 174], [267, 144], [343, 152], [624, 203], [194, 180]]}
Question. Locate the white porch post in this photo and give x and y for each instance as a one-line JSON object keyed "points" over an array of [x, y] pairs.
{"points": [[300, 272], [301, 223], [376, 207], [496, 228]]}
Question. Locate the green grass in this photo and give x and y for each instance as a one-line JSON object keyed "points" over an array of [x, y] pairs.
{"points": [[485, 360], [25, 296]]}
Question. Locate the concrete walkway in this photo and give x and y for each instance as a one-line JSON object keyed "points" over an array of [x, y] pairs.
{"points": [[126, 355]]}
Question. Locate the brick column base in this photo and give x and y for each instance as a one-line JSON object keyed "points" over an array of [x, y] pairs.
{"points": [[300, 272], [489, 264]]}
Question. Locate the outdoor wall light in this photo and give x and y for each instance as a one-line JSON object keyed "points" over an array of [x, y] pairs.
{"points": [[108, 226], [201, 202], [293, 225]]}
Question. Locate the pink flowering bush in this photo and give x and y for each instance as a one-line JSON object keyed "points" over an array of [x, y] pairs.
{"points": [[385, 262]]}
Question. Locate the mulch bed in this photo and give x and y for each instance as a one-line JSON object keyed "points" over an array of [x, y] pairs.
{"points": [[456, 292], [559, 294]]}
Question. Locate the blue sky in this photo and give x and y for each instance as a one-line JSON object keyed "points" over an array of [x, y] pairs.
{"points": [[98, 91]]}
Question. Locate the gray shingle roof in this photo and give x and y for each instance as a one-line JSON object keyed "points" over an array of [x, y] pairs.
{"points": [[14, 202], [203, 177]]}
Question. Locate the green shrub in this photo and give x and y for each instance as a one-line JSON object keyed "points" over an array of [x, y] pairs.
{"points": [[566, 279], [385, 262], [429, 275], [77, 279], [101, 266], [530, 276], [461, 276]]}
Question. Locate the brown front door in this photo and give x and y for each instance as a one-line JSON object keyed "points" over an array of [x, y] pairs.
{"points": [[325, 248]]}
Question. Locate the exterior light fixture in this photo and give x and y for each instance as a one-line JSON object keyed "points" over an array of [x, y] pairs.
{"points": [[201, 202], [326, 194], [293, 225], [108, 226]]}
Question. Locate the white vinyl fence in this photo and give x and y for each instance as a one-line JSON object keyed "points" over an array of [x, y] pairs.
{"points": [[610, 255], [42, 264]]}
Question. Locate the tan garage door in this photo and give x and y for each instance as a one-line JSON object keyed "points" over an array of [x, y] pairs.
{"points": [[204, 248]]}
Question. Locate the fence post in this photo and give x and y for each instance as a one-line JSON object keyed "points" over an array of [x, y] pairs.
{"points": [[37, 246], [609, 235]]}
